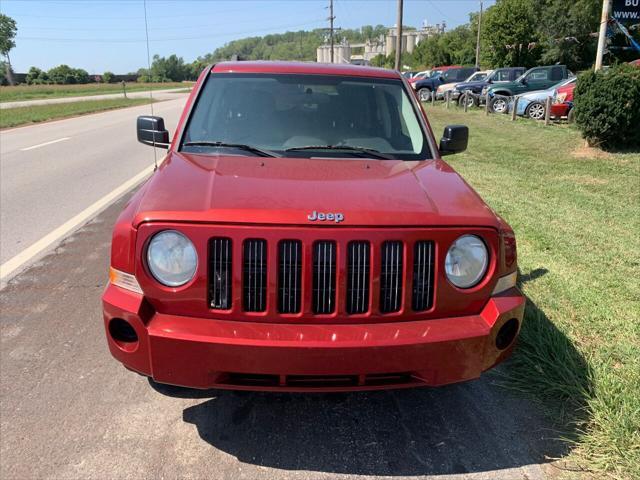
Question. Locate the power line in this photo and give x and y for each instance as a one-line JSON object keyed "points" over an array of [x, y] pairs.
{"points": [[167, 39]]}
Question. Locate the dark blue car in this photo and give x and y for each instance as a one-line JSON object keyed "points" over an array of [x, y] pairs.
{"points": [[507, 74], [425, 86]]}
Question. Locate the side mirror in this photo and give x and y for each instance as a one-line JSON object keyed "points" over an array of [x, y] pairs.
{"points": [[454, 139], [523, 81], [151, 131]]}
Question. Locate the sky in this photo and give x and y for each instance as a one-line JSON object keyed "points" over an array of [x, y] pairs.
{"points": [[109, 35]]}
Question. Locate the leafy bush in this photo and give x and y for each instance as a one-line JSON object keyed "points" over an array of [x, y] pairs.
{"points": [[107, 77], [35, 76], [607, 107], [64, 74]]}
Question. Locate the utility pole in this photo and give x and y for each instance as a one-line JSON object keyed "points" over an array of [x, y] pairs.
{"points": [[602, 37], [399, 37], [331, 19], [478, 40]]}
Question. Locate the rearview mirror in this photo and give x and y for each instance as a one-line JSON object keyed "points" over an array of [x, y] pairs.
{"points": [[454, 139], [151, 131]]}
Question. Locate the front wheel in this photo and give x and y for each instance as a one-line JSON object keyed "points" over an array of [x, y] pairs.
{"points": [[470, 99], [535, 111], [424, 94], [499, 104]]}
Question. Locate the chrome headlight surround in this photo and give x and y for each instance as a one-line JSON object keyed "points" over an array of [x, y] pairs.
{"points": [[172, 258], [467, 261]]}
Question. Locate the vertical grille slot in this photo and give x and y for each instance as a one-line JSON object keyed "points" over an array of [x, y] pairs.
{"points": [[358, 265], [220, 273], [289, 276], [324, 277], [423, 253], [391, 277], [254, 275]]}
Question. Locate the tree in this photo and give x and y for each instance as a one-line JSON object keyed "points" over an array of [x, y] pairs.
{"points": [[107, 77], [455, 47], [510, 33], [170, 69], [565, 29], [64, 74], [35, 76], [8, 32]]}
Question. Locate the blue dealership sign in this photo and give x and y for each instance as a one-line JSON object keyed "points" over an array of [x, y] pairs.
{"points": [[626, 11]]}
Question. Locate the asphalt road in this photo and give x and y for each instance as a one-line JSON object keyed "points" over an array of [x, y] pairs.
{"points": [[69, 411], [52, 171]]}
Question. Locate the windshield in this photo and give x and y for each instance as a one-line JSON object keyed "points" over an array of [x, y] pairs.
{"points": [[305, 116], [476, 77]]}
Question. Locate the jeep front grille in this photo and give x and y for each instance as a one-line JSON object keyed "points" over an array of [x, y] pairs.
{"points": [[289, 276], [324, 277], [358, 277], [254, 275], [220, 273], [422, 297], [391, 277], [276, 276]]}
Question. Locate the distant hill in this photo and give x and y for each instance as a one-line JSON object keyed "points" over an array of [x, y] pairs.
{"points": [[300, 45]]}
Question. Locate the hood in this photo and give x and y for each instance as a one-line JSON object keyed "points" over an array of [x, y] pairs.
{"points": [[538, 95], [476, 84], [447, 86], [507, 85], [285, 191]]}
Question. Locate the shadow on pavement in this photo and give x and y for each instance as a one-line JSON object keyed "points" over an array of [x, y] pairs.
{"points": [[471, 427]]}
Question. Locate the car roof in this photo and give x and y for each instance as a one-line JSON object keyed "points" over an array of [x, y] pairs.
{"points": [[342, 69]]}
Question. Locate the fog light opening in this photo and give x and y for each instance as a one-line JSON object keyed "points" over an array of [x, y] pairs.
{"points": [[122, 331], [507, 334]]}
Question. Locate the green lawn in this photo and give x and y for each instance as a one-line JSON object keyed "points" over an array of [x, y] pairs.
{"points": [[13, 117], [576, 214], [33, 92]]}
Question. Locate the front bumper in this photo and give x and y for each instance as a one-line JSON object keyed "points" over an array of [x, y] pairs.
{"points": [[205, 353]]}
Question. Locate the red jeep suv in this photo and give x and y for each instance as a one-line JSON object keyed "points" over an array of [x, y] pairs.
{"points": [[304, 234]]}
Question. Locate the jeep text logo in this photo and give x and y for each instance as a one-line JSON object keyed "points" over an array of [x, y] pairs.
{"points": [[336, 217]]}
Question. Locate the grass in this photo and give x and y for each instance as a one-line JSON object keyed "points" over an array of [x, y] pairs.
{"points": [[13, 117], [33, 92], [576, 213]]}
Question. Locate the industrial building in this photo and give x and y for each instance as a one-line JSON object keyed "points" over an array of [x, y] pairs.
{"points": [[362, 53]]}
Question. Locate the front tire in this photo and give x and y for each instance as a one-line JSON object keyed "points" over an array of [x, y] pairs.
{"points": [[499, 104], [571, 116], [470, 99], [535, 111], [424, 94]]}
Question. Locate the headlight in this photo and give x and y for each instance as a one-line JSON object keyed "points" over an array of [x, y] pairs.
{"points": [[466, 261], [172, 258]]}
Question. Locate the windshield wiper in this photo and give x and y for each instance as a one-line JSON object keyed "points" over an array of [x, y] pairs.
{"points": [[240, 146], [369, 151]]}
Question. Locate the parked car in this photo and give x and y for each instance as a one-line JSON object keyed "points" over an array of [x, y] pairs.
{"points": [[408, 74], [419, 75], [287, 243], [537, 78], [562, 105], [425, 86], [500, 75], [533, 104], [430, 73], [450, 87]]}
